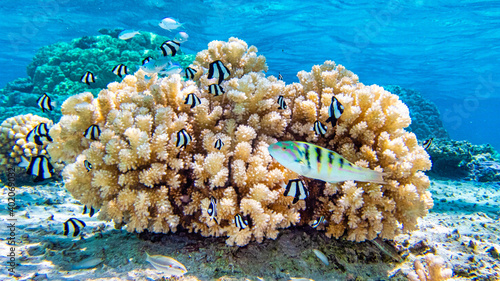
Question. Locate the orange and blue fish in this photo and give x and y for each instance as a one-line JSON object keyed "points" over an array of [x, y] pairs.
{"points": [[319, 163]]}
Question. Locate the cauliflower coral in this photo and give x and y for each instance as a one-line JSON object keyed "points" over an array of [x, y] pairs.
{"points": [[143, 179]]}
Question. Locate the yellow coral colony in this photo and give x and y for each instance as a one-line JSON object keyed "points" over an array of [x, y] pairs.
{"points": [[142, 179], [13, 133]]}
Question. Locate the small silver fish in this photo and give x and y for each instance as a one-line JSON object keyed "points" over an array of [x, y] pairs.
{"points": [[127, 34], [155, 66], [172, 68], [169, 24], [90, 262], [181, 37], [321, 256], [167, 265]]}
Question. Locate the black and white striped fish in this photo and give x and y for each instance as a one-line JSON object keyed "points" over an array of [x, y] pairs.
{"points": [[319, 221], [218, 144], [146, 60], [335, 110], [281, 102], [40, 167], [240, 222], [88, 78], [280, 77], [73, 226], [39, 134], [193, 100], [170, 48], [87, 165], [215, 89], [91, 210], [212, 209], [427, 143], [183, 138], [190, 72], [296, 189], [319, 128], [93, 132], [120, 70], [218, 70], [45, 103]]}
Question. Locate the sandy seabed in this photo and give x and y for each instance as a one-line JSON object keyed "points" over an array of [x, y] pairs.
{"points": [[463, 228]]}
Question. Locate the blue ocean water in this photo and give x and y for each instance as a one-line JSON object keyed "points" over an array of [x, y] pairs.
{"points": [[447, 50]]}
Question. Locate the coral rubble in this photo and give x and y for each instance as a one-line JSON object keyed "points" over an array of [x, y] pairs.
{"points": [[142, 178], [433, 271]]}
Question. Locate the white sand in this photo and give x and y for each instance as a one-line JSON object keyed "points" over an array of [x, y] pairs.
{"points": [[471, 208]]}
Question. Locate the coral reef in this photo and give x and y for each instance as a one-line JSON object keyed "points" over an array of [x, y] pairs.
{"points": [[144, 179], [433, 271], [13, 142], [425, 117], [458, 159], [484, 169], [57, 69]]}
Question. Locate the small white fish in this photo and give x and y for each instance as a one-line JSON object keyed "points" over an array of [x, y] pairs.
{"points": [[87, 165], [281, 102], [240, 222], [172, 68], [87, 263], [321, 256], [93, 132], [155, 66], [169, 24], [40, 167], [215, 89], [335, 110], [212, 209], [296, 189], [128, 34], [45, 103], [181, 37], [189, 73], [169, 266], [219, 144], [170, 48], [183, 138], [88, 78], [218, 70], [319, 221], [73, 226], [192, 100], [319, 128]]}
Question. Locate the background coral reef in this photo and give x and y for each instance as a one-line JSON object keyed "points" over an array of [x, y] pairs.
{"points": [[57, 69], [425, 117]]}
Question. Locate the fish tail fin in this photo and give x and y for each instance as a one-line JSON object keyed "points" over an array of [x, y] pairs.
{"points": [[375, 176], [24, 162]]}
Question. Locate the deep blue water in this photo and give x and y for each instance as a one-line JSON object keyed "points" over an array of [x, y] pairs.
{"points": [[448, 50]]}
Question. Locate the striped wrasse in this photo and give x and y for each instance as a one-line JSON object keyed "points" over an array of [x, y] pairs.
{"points": [[316, 162]]}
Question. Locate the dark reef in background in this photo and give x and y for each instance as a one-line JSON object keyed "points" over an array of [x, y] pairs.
{"points": [[56, 69], [425, 117], [450, 158]]}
